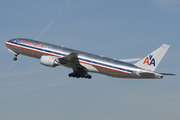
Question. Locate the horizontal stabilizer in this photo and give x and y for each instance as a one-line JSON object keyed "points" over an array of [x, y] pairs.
{"points": [[168, 74], [129, 60]]}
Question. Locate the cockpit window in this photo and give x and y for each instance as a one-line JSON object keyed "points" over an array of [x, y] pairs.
{"points": [[12, 40]]}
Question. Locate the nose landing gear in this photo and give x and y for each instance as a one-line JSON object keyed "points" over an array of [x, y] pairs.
{"points": [[15, 58]]}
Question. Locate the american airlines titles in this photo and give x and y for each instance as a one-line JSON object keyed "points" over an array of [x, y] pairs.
{"points": [[31, 44]]}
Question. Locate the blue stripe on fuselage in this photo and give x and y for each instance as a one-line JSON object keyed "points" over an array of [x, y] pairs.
{"points": [[61, 54]]}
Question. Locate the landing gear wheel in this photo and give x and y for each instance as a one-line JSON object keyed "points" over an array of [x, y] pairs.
{"points": [[89, 77], [15, 58], [69, 75], [76, 75]]}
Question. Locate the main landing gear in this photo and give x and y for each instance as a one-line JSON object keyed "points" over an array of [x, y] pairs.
{"points": [[79, 75], [15, 58]]}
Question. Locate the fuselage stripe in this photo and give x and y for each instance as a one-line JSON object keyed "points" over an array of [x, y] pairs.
{"points": [[56, 54]]}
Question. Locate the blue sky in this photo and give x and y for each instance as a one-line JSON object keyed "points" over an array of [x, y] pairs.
{"points": [[116, 29]]}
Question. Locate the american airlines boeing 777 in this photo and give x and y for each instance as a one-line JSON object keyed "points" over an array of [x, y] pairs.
{"points": [[82, 62]]}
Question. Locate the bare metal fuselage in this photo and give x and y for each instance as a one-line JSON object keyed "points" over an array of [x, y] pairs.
{"points": [[92, 63]]}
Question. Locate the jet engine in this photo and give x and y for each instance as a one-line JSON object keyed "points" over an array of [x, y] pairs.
{"points": [[49, 61]]}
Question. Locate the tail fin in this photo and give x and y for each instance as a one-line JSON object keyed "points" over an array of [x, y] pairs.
{"points": [[151, 61]]}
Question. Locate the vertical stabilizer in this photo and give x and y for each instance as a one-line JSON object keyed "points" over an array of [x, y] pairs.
{"points": [[151, 61]]}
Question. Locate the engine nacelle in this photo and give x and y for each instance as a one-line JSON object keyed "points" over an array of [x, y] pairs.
{"points": [[49, 61]]}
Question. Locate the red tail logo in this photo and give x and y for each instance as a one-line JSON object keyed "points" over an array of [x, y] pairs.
{"points": [[149, 59]]}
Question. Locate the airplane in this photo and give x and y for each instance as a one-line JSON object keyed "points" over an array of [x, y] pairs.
{"points": [[81, 62]]}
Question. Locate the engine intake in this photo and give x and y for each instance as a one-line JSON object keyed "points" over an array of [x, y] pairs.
{"points": [[49, 61]]}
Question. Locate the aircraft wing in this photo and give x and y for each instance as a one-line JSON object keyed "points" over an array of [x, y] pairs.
{"points": [[72, 61]]}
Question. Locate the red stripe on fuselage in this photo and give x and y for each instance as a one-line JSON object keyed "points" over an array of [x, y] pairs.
{"points": [[61, 56], [32, 50], [103, 67]]}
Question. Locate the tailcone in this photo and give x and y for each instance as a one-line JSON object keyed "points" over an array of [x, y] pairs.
{"points": [[158, 76]]}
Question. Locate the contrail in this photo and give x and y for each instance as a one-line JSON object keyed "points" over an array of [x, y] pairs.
{"points": [[36, 39], [49, 25], [13, 63], [45, 29], [60, 12]]}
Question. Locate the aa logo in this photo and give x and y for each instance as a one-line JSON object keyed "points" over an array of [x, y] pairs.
{"points": [[149, 60]]}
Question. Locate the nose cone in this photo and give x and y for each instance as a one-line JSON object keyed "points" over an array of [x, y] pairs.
{"points": [[6, 43]]}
